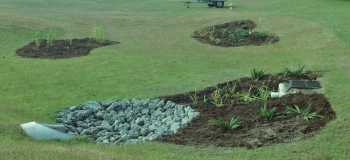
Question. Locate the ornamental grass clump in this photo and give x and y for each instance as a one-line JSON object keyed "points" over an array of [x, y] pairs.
{"points": [[225, 125]]}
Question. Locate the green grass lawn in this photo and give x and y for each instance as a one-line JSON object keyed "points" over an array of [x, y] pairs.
{"points": [[156, 57]]}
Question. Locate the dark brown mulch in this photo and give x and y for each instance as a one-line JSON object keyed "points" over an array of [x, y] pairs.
{"points": [[251, 134], [61, 49], [206, 37]]}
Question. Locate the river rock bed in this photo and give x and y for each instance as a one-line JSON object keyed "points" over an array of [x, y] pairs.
{"points": [[123, 122]]}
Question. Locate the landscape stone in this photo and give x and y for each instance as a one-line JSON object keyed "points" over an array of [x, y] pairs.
{"points": [[126, 122], [92, 105]]}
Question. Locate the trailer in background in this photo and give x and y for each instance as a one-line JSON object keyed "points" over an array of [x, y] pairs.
{"points": [[210, 3]]}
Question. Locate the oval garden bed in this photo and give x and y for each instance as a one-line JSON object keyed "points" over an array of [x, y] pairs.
{"points": [[234, 34], [226, 101]]}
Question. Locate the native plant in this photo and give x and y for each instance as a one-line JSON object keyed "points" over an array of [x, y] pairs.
{"points": [[244, 26], [99, 34], [241, 22], [51, 36], [267, 114], [255, 118], [216, 96], [205, 99], [305, 114], [255, 74], [39, 37], [212, 30], [221, 25], [194, 97], [232, 88], [294, 72], [219, 104], [260, 35], [217, 41], [224, 31], [239, 36], [232, 125], [264, 92]]}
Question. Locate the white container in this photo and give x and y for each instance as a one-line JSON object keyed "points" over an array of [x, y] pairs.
{"points": [[274, 94]]}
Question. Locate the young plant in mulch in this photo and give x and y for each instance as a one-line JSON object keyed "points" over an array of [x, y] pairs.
{"points": [[99, 34], [304, 114], [268, 115], [39, 37], [255, 74], [194, 97], [294, 72], [225, 125], [51, 36], [259, 35]]}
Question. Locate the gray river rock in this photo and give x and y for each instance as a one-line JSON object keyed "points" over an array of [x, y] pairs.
{"points": [[126, 122]]}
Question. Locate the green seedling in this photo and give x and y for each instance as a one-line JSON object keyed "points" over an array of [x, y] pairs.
{"points": [[219, 104], [255, 118], [99, 34], [232, 125], [39, 37], [51, 36], [217, 41], [260, 35], [241, 22], [244, 26], [255, 74], [216, 96], [205, 99], [225, 31], [267, 114], [239, 80], [305, 114], [194, 97]]}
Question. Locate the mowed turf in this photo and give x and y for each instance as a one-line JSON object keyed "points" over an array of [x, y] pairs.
{"points": [[156, 57]]}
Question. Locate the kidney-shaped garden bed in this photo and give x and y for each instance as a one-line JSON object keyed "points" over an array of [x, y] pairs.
{"points": [[234, 34]]}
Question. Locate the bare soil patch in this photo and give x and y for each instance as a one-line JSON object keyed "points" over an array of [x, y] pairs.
{"points": [[234, 34], [251, 134], [61, 49]]}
